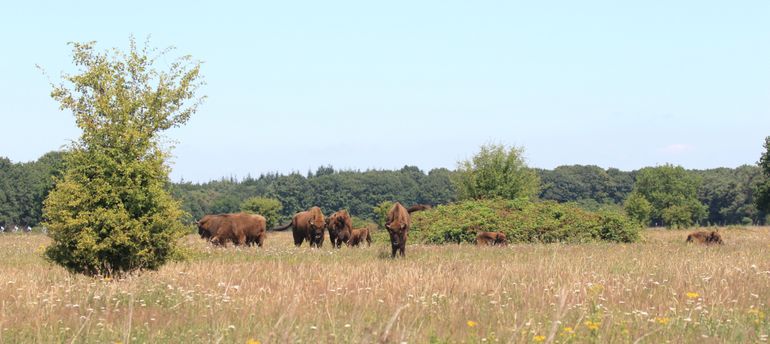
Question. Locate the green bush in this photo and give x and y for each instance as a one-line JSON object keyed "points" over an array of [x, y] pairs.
{"points": [[110, 212], [270, 208], [521, 221], [747, 221]]}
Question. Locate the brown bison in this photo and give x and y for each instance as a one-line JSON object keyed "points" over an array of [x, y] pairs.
{"points": [[358, 235], [307, 225], [491, 239], [398, 223], [704, 237], [339, 225], [239, 228]]}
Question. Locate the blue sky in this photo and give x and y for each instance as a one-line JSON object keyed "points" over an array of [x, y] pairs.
{"points": [[293, 85]]}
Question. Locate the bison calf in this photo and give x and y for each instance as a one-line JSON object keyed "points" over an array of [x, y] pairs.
{"points": [[358, 235], [704, 237], [491, 239]]}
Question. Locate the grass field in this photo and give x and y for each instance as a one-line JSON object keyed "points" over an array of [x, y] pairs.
{"points": [[659, 290]]}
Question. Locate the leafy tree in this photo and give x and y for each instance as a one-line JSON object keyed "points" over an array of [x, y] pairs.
{"points": [[437, 188], [24, 186], [730, 194], [381, 212], [672, 193], [268, 207], [496, 172], [110, 212], [763, 190], [638, 208]]}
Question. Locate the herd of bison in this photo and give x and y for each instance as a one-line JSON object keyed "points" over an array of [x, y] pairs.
{"points": [[310, 226]]}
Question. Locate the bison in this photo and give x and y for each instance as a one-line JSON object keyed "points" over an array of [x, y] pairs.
{"points": [[704, 237], [240, 228], [358, 235], [339, 225], [307, 225], [398, 223], [491, 239]]}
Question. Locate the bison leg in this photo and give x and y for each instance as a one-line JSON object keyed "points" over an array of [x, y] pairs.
{"points": [[218, 241], [402, 245], [241, 240], [298, 238], [261, 239], [393, 244]]}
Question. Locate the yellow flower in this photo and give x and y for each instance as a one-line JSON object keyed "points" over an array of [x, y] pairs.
{"points": [[692, 295], [539, 339], [472, 323], [596, 289], [592, 325], [252, 341], [568, 330], [662, 320], [760, 315]]}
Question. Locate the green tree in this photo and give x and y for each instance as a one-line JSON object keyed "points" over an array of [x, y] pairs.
{"points": [[381, 212], [496, 171], [110, 212], [763, 190], [672, 193], [270, 208], [638, 208]]}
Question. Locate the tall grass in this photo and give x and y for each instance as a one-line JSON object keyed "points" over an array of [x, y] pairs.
{"points": [[658, 290]]}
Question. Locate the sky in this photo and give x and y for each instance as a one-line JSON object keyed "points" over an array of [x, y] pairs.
{"points": [[294, 85]]}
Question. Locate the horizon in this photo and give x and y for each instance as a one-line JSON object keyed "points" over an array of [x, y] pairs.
{"points": [[381, 86]]}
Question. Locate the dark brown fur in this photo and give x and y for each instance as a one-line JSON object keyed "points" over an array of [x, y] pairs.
{"points": [[358, 235], [398, 223], [208, 225], [418, 207], [491, 239], [704, 237], [339, 225], [239, 228], [307, 225]]}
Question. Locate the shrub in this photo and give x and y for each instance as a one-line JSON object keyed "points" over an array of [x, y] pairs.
{"points": [[747, 221], [521, 221], [270, 208], [110, 212]]}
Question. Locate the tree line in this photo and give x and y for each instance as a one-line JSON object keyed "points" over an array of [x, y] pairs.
{"points": [[727, 194]]}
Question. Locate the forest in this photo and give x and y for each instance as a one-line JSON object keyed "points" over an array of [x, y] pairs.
{"points": [[727, 193]]}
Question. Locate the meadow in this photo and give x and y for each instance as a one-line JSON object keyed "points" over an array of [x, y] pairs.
{"points": [[656, 291]]}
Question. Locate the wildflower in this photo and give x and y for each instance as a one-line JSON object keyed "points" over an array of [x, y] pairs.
{"points": [[252, 341], [758, 315], [538, 339], [692, 295], [592, 325], [596, 289], [568, 330], [472, 323], [662, 320]]}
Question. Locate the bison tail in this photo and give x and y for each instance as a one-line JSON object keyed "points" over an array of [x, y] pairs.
{"points": [[418, 207], [281, 228]]}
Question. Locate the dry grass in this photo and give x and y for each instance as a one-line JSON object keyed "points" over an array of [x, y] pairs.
{"points": [[659, 290]]}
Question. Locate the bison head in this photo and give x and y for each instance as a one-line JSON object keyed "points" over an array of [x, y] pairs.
{"points": [[500, 239], [715, 238]]}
